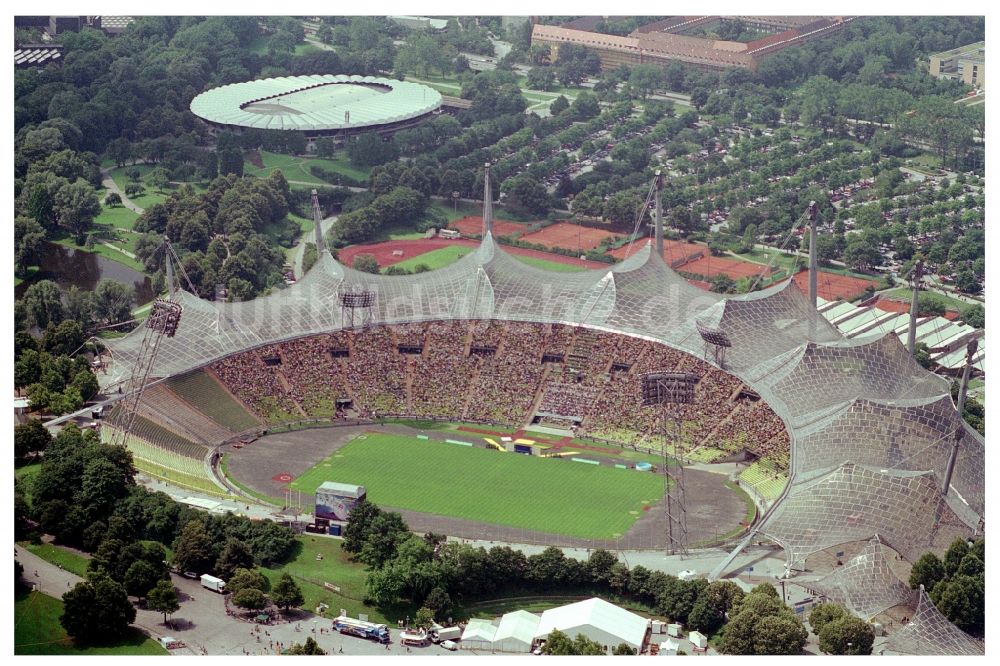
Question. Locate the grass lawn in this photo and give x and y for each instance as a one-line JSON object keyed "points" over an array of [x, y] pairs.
{"points": [[67, 559], [117, 217], [438, 258], [549, 265], [27, 474], [297, 168], [489, 486], [334, 568], [151, 196], [37, 631], [949, 303]]}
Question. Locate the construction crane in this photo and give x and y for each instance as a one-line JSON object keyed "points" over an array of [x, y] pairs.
{"points": [[162, 322]]}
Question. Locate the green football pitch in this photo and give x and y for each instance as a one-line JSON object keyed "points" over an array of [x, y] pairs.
{"points": [[551, 495]]}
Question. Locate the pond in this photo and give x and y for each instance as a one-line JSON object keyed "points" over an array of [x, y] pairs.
{"points": [[67, 267]]}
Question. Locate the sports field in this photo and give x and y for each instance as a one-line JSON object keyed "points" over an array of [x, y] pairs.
{"points": [[547, 495]]}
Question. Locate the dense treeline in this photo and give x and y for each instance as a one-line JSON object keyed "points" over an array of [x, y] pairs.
{"points": [[435, 574], [86, 496], [225, 235]]}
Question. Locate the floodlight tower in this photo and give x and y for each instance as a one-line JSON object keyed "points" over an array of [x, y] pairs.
{"points": [[660, 389]]}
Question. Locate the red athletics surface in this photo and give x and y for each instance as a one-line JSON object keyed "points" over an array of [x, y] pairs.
{"points": [[832, 286], [284, 477], [414, 248], [471, 224], [570, 236]]}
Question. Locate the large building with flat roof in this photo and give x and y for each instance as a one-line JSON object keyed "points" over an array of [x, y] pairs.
{"points": [[965, 63], [662, 42]]}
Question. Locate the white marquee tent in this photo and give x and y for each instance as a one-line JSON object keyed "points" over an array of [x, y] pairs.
{"points": [[478, 635], [598, 620], [516, 632]]}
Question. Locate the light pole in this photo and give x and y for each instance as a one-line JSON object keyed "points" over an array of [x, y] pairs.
{"points": [[658, 390]]}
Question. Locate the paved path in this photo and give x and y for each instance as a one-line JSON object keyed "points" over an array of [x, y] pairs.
{"points": [[109, 183]]}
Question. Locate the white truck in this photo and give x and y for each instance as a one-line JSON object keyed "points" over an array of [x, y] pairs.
{"points": [[446, 634], [213, 583]]}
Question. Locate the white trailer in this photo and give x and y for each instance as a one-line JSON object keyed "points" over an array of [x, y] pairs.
{"points": [[213, 583], [447, 634]]}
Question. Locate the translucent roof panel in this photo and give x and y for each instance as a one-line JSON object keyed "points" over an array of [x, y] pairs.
{"points": [[865, 585]]}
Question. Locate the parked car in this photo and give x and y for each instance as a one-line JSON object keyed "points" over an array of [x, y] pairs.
{"points": [[449, 645]]}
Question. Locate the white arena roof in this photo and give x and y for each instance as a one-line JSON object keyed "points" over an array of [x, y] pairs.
{"points": [[320, 102]]}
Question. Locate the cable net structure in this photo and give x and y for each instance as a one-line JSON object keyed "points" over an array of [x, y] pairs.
{"points": [[866, 584], [930, 633], [870, 431]]}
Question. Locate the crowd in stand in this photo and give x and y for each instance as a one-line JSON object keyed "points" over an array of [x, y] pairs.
{"points": [[447, 370]]}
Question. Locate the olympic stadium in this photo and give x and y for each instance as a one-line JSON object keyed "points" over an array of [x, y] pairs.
{"points": [[869, 448], [318, 105]]}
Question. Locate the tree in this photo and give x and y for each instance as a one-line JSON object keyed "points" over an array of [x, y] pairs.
{"points": [[310, 647], [424, 618], [250, 599], [926, 571], [76, 205], [97, 611], [43, 302], [29, 237], [958, 549], [246, 579], [525, 193], [975, 316], [359, 525], [193, 549], [558, 105], [779, 634], [235, 555], [847, 635], [112, 302], [823, 614], [722, 284], [63, 339], [645, 79], [140, 578], [387, 531], [439, 602], [370, 149], [163, 599], [365, 263], [286, 593], [30, 439], [585, 106], [623, 649], [963, 601]]}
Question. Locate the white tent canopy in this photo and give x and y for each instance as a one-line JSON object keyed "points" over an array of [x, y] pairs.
{"points": [[478, 635], [516, 632], [598, 620]]}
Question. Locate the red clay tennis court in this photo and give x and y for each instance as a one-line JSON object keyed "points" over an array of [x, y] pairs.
{"points": [[673, 251], [472, 224], [833, 286], [709, 266], [570, 236]]}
